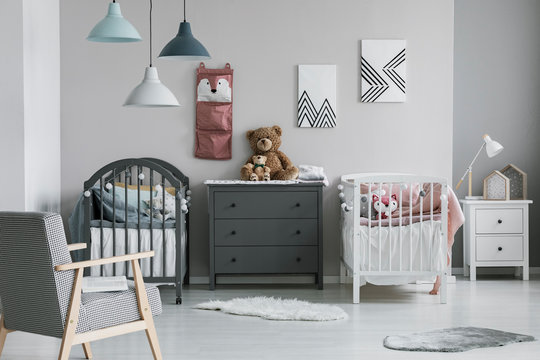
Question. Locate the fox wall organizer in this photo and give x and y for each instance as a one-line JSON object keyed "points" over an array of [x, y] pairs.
{"points": [[213, 129]]}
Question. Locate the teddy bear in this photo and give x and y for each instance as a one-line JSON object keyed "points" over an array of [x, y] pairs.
{"points": [[258, 169], [266, 141]]}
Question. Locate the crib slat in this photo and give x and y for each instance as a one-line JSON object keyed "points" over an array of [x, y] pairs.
{"points": [[380, 230], [410, 227], [126, 264], [431, 229], [369, 227], [139, 182], [421, 228], [101, 224], [114, 220], [151, 221], [400, 225], [390, 229], [163, 226]]}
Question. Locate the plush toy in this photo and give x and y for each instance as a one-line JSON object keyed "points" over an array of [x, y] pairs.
{"points": [[158, 211], [384, 205], [258, 169], [266, 141]]}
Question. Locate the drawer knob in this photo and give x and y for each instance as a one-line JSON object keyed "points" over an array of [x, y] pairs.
{"points": [[233, 205], [298, 232], [499, 221], [233, 260], [233, 232], [298, 259], [297, 204], [499, 248]]}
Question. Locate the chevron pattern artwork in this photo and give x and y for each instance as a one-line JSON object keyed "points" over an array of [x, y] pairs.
{"points": [[317, 96], [383, 71]]}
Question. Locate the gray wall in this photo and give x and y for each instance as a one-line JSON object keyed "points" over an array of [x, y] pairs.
{"points": [[264, 41], [496, 91], [30, 103]]}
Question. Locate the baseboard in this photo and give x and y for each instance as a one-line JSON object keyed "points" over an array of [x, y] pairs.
{"points": [[495, 270], [273, 279]]}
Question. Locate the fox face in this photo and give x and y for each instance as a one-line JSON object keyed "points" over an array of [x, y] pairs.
{"points": [[385, 205], [214, 90]]}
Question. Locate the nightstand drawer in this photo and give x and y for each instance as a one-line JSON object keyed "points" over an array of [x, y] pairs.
{"points": [[257, 232], [499, 248], [499, 221], [265, 204], [266, 259]]}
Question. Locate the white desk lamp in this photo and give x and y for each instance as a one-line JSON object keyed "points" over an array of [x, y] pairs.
{"points": [[493, 148]]}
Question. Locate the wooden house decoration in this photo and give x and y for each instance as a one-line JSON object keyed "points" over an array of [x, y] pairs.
{"points": [[496, 186], [518, 182]]}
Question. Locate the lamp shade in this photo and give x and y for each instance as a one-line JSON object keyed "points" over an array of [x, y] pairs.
{"points": [[114, 28], [184, 46], [493, 148], [151, 92]]}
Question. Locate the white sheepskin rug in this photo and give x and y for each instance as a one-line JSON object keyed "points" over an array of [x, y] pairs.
{"points": [[271, 308]]}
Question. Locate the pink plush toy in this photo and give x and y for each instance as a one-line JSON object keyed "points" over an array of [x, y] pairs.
{"points": [[384, 206]]}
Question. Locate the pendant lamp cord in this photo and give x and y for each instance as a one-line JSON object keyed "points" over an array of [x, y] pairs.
{"points": [[184, 10], [150, 33]]}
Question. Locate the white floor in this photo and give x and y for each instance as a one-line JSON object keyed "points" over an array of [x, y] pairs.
{"points": [[184, 333]]}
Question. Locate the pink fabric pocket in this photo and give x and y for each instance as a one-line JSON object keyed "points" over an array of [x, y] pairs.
{"points": [[214, 145], [214, 117], [213, 138]]}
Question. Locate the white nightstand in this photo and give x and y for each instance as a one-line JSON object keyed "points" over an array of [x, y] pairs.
{"points": [[496, 233]]}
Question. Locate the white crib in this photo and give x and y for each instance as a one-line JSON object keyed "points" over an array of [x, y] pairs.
{"points": [[402, 248]]}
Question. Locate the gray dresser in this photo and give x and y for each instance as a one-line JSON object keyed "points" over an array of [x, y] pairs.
{"points": [[265, 228]]}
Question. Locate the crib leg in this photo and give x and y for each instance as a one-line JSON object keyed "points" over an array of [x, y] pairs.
{"points": [[443, 289], [356, 289], [342, 273]]}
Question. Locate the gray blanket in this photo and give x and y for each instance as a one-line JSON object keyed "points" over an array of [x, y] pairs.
{"points": [[76, 220]]}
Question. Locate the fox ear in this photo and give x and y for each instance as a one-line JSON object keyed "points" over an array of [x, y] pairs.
{"points": [[394, 196], [375, 197]]}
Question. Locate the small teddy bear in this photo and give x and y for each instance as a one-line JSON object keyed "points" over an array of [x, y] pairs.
{"points": [[258, 170]]}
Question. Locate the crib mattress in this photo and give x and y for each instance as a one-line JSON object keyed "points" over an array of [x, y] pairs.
{"points": [[426, 250], [159, 263]]}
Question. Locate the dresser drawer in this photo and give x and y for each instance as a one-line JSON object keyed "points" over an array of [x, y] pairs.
{"points": [[499, 248], [265, 204], [266, 259], [259, 232], [499, 221]]}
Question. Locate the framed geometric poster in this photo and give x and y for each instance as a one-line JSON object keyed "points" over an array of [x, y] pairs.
{"points": [[317, 96], [383, 71]]}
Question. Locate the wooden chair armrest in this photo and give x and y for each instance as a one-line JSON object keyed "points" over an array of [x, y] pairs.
{"points": [[76, 246], [109, 260]]}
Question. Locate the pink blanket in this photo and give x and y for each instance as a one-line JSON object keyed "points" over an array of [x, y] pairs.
{"points": [[455, 215]]}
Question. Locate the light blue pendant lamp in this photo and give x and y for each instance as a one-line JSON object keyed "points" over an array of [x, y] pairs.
{"points": [[151, 92], [184, 46], [114, 28]]}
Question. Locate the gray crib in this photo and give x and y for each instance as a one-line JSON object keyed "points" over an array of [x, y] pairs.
{"points": [[113, 225]]}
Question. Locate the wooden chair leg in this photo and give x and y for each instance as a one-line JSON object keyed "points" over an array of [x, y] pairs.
{"points": [[72, 317], [145, 311], [3, 333], [87, 350]]}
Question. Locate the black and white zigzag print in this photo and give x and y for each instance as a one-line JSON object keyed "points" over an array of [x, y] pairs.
{"points": [[381, 81], [324, 117]]}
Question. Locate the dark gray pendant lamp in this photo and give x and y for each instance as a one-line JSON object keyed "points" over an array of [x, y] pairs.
{"points": [[184, 46]]}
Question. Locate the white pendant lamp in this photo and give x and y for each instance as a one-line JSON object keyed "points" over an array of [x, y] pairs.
{"points": [[151, 92]]}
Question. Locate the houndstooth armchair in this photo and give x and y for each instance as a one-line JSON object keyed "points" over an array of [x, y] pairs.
{"points": [[40, 288]]}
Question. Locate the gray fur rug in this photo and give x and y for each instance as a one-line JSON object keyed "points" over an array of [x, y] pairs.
{"points": [[454, 339]]}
